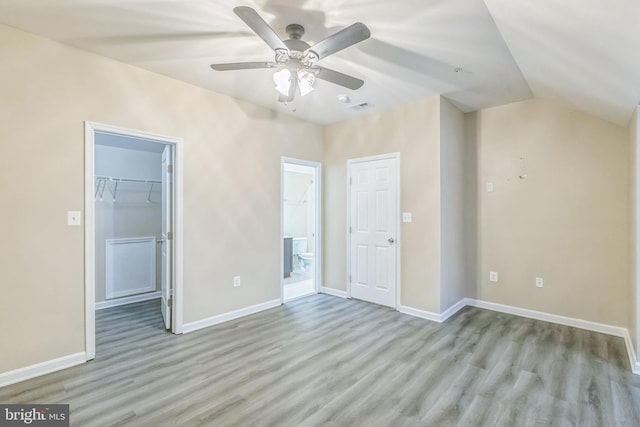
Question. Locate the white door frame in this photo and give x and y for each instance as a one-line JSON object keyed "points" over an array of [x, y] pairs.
{"points": [[317, 179], [398, 243], [90, 129]]}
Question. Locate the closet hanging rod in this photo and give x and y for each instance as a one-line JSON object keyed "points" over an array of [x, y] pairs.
{"points": [[115, 179]]}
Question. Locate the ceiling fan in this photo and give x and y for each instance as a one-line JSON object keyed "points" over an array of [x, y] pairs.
{"points": [[295, 59]]}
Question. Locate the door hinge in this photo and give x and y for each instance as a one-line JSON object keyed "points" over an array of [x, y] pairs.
{"points": [[350, 180], [170, 235], [170, 302], [349, 279], [350, 230], [169, 168]]}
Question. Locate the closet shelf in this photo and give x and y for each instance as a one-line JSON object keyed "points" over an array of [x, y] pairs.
{"points": [[116, 179], [102, 181]]}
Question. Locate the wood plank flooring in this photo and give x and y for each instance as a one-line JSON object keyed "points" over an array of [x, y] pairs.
{"points": [[325, 361]]}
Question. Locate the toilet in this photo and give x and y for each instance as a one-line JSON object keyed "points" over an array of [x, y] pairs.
{"points": [[307, 260], [300, 254]]}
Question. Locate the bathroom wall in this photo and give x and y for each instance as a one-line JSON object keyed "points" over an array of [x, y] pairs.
{"points": [[129, 215], [298, 206]]}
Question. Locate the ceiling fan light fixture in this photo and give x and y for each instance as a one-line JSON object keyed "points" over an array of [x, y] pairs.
{"points": [[305, 81], [282, 79]]}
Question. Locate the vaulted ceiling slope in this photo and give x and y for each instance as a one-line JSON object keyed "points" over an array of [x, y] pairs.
{"points": [[476, 53]]}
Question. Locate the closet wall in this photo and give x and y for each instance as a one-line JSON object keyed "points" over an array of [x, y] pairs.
{"points": [[136, 209]]}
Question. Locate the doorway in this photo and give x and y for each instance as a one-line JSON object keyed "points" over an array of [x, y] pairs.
{"points": [[300, 215], [373, 229], [133, 223]]}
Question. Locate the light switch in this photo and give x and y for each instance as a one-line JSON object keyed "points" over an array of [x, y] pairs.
{"points": [[74, 218], [489, 187], [406, 217], [493, 276]]}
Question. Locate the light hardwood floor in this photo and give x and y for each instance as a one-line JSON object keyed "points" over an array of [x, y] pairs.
{"points": [[325, 361]]}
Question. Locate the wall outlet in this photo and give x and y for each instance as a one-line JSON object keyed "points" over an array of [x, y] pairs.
{"points": [[406, 217], [493, 276], [236, 281], [539, 282]]}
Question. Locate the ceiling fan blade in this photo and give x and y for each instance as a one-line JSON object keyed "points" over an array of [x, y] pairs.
{"points": [[344, 38], [242, 66], [260, 27], [339, 78]]}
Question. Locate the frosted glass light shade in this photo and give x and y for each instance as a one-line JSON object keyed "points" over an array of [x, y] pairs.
{"points": [[282, 79]]}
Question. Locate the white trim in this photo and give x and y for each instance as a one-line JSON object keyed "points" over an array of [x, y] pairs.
{"points": [[398, 234], [127, 300], [435, 317], [616, 331], [635, 262], [90, 129], [225, 317], [633, 361], [89, 242], [334, 292], [298, 165], [423, 314], [453, 310], [43, 368], [547, 317], [531, 314]]}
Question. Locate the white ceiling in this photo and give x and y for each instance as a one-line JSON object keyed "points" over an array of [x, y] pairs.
{"points": [[580, 52]]}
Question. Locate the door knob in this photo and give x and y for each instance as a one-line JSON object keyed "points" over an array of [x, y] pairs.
{"points": [[391, 240]]}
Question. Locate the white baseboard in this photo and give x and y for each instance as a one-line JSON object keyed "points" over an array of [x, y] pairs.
{"points": [[128, 300], [435, 317], [453, 309], [617, 331], [423, 314], [553, 318], [334, 292], [28, 372], [532, 314], [225, 317], [633, 361]]}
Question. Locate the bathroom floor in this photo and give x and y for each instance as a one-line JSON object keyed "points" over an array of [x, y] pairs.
{"points": [[297, 285]]}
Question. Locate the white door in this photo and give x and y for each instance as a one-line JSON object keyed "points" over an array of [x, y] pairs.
{"points": [[165, 280], [373, 230]]}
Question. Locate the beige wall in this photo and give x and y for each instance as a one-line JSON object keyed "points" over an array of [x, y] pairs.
{"points": [[567, 222], [413, 131], [453, 286], [634, 199], [231, 188], [471, 266]]}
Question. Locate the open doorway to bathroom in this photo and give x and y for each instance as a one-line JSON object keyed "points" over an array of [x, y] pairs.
{"points": [[300, 228]]}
